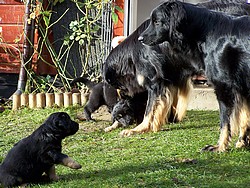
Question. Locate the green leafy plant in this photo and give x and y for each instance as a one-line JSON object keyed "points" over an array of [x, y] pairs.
{"points": [[86, 31], [114, 15]]}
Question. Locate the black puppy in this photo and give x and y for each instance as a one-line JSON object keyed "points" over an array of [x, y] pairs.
{"points": [[128, 111], [37, 153], [124, 110], [132, 107], [101, 94]]}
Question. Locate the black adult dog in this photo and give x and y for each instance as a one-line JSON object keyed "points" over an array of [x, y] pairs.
{"points": [[218, 44], [134, 67], [37, 153], [124, 110]]}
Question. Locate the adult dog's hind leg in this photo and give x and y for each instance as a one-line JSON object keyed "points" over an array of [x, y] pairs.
{"points": [[158, 107], [226, 105], [241, 121], [181, 100]]}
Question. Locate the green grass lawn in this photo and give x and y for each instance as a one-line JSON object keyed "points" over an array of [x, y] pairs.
{"points": [[169, 158]]}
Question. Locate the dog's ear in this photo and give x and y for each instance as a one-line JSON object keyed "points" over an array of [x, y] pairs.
{"points": [[61, 119], [176, 14]]}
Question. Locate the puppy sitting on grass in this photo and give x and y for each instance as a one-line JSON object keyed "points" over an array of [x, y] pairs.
{"points": [[38, 153]]}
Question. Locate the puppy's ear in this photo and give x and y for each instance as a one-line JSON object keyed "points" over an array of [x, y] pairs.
{"points": [[63, 115], [61, 119]]}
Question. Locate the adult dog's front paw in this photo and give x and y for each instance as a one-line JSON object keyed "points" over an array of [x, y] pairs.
{"points": [[127, 133], [242, 144], [213, 148]]}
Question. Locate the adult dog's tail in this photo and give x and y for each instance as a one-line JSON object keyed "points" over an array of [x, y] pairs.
{"points": [[90, 84]]}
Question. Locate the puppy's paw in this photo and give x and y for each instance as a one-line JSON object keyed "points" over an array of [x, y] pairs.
{"points": [[54, 177], [69, 162], [108, 129], [52, 174], [74, 165], [24, 185], [112, 127]]}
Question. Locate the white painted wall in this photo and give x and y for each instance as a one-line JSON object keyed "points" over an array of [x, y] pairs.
{"points": [[136, 11]]}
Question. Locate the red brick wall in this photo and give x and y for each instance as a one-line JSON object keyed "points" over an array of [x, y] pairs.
{"points": [[118, 28], [11, 28]]}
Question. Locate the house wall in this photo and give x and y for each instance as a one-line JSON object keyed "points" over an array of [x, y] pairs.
{"points": [[12, 14], [119, 27], [11, 41], [137, 11], [11, 29], [11, 37]]}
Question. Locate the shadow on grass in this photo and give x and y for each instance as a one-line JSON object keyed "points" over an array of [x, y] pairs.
{"points": [[171, 127], [202, 173], [183, 126]]}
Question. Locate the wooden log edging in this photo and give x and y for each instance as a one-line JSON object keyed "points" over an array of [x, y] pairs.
{"points": [[40, 100], [32, 100], [59, 99], [49, 100], [67, 99]]}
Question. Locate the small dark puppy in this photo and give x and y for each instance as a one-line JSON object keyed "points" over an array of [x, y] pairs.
{"points": [[101, 94], [38, 153], [128, 111], [124, 110]]}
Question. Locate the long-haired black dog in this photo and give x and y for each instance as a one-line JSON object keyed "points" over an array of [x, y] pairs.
{"points": [[218, 44], [38, 153], [134, 67]]}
